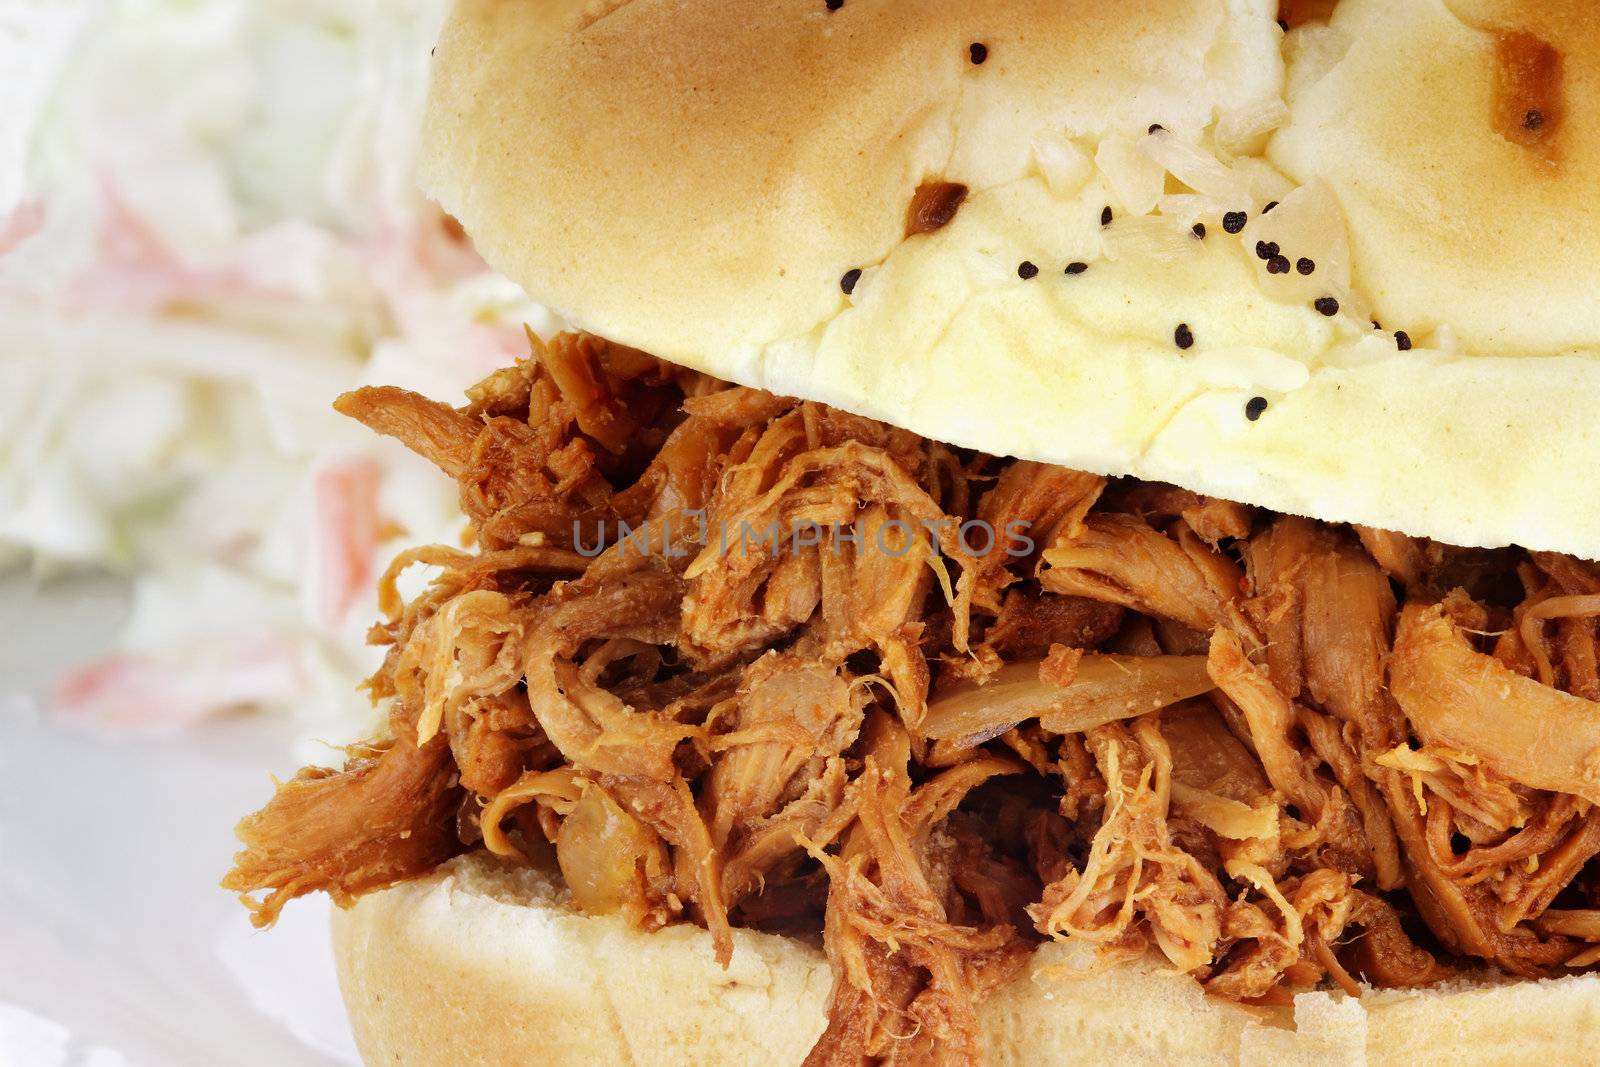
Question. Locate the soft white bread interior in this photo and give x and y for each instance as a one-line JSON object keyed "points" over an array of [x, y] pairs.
{"points": [[695, 178], [484, 965]]}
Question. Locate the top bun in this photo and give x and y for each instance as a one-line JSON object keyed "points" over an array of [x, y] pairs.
{"points": [[695, 178]]}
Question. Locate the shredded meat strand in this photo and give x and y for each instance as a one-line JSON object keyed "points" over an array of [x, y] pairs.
{"points": [[737, 659], [387, 816]]}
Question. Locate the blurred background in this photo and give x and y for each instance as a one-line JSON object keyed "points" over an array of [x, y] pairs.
{"points": [[208, 230]]}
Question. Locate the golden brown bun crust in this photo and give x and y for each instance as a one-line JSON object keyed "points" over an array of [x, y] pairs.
{"points": [[695, 176], [482, 966]]}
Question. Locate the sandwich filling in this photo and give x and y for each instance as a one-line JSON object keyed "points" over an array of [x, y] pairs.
{"points": [[736, 659]]}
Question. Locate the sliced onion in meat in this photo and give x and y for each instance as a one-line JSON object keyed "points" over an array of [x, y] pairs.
{"points": [[1459, 698], [1582, 923], [1106, 688], [1557, 607], [604, 852]]}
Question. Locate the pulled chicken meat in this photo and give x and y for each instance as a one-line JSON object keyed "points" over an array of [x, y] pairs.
{"points": [[742, 660]]}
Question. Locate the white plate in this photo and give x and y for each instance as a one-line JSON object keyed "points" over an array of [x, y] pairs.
{"points": [[116, 945]]}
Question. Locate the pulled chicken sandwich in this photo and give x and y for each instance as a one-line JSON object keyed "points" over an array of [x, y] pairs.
{"points": [[1252, 714], [1284, 754]]}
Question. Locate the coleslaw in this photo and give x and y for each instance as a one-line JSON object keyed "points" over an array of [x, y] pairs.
{"points": [[208, 230]]}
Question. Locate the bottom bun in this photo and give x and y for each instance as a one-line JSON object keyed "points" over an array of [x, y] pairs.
{"points": [[487, 964]]}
